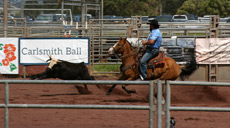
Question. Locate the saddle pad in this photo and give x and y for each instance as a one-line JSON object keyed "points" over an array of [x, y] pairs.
{"points": [[157, 62]]}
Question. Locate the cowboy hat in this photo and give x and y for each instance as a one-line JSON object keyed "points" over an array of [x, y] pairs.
{"points": [[153, 22]]}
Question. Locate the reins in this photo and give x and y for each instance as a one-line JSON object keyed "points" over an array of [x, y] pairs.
{"points": [[132, 53], [127, 55]]}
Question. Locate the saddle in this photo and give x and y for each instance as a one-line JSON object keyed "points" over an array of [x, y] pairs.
{"points": [[157, 62]]}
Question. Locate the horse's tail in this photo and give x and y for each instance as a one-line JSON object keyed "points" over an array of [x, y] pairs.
{"points": [[188, 68]]}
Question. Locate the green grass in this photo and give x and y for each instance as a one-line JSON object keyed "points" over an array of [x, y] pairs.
{"points": [[198, 34], [107, 68]]}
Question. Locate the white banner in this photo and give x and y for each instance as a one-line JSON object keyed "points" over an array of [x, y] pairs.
{"points": [[213, 51], [36, 51], [9, 56]]}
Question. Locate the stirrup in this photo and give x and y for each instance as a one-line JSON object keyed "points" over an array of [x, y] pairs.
{"points": [[141, 77]]}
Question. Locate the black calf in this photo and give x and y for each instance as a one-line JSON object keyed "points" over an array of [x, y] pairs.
{"points": [[64, 70]]}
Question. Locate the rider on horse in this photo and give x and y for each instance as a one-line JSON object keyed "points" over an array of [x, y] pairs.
{"points": [[153, 43]]}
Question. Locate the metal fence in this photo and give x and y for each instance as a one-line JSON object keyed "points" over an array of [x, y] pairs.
{"points": [[151, 107], [104, 33], [191, 83], [7, 105], [131, 29]]}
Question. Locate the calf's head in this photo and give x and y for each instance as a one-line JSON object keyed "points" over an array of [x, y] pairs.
{"points": [[53, 61]]}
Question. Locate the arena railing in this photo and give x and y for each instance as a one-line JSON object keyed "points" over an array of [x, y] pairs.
{"points": [[151, 107], [191, 83], [8, 105]]}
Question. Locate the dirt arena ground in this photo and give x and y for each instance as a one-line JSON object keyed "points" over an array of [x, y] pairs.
{"points": [[97, 118]]}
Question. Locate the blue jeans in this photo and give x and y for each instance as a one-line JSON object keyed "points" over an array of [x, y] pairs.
{"points": [[149, 54]]}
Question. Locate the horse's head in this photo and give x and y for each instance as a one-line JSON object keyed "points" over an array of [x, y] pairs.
{"points": [[118, 47]]}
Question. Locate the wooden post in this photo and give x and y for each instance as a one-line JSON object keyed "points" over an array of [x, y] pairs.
{"points": [[5, 23]]}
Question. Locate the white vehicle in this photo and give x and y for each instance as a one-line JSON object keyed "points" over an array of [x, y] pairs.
{"points": [[206, 18], [48, 18], [203, 19], [59, 17], [179, 18]]}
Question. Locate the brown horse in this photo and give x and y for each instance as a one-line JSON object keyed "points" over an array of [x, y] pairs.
{"points": [[130, 66]]}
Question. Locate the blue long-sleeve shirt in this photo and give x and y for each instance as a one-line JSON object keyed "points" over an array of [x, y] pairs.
{"points": [[156, 35]]}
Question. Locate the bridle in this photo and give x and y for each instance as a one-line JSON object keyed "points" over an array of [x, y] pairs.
{"points": [[119, 47], [135, 51]]}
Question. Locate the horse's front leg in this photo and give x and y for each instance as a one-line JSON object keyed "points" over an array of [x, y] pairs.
{"points": [[126, 90], [111, 89]]}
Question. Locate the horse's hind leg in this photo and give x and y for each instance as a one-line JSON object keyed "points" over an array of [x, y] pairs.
{"points": [[128, 91], [110, 90]]}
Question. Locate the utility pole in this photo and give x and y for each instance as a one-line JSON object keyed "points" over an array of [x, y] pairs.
{"points": [[102, 9], [5, 23], [196, 2], [22, 8], [160, 7], [62, 7], [83, 12]]}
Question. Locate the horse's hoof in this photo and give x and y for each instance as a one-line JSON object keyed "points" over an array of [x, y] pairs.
{"points": [[108, 93], [132, 91]]}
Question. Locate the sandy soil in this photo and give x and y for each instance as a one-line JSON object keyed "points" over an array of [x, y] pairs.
{"points": [[97, 118]]}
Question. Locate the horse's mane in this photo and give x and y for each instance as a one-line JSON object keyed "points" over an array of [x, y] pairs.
{"points": [[133, 49]]}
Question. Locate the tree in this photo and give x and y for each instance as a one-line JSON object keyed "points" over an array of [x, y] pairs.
{"points": [[131, 7], [31, 13], [205, 7], [171, 6], [218, 7]]}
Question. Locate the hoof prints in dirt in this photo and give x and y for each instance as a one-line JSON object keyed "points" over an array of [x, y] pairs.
{"points": [[82, 90], [62, 94], [190, 118], [214, 94]]}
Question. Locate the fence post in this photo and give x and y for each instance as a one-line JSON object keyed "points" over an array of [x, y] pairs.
{"points": [[168, 102], [6, 105], [151, 122], [159, 104]]}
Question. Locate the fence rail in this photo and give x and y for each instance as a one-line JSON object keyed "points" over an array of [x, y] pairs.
{"points": [[191, 83], [7, 105], [185, 30], [151, 107], [103, 36]]}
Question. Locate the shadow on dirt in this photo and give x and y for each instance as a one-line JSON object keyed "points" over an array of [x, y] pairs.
{"points": [[127, 101], [64, 94]]}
